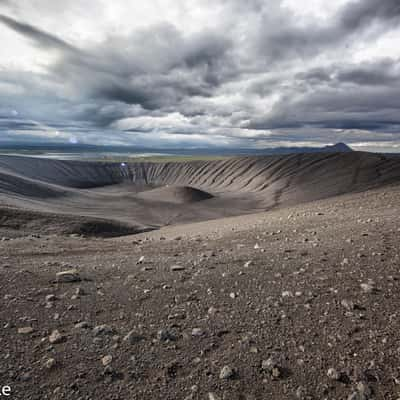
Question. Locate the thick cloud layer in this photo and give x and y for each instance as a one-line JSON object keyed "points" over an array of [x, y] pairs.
{"points": [[199, 73]]}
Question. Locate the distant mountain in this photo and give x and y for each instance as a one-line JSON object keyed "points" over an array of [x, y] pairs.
{"points": [[339, 147], [336, 148], [89, 148]]}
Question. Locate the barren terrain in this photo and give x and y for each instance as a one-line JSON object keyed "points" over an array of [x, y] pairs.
{"points": [[146, 196], [297, 299]]}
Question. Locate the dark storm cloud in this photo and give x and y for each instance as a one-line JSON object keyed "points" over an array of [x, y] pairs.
{"points": [[40, 37], [362, 13], [257, 53], [158, 67], [365, 96], [125, 94], [179, 67], [316, 75], [377, 74], [281, 37], [385, 72], [17, 125], [153, 91], [367, 108], [103, 115]]}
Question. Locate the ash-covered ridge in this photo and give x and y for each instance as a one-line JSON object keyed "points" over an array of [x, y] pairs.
{"points": [[150, 195]]}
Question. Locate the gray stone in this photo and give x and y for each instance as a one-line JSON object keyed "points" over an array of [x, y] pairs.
{"points": [[27, 330], [165, 335], [102, 330], [106, 360], [348, 305], [197, 332], [50, 363], [50, 298], [268, 365], [71, 275], [368, 287], [133, 337], [333, 374], [56, 337], [227, 372], [177, 268], [82, 325]]}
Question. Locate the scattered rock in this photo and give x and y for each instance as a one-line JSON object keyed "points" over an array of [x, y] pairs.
{"points": [[267, 365], [82, 325], [272, 366], [227, 372], [212, 311], [165, 335], [56, 337], [333, 374], [177, 268], [27, 330], [106, 360], [276, 373], [100, 330], [26, 377], [133, 337], [197, 332], [348, 305], [71, 275], [50, 298], [50, 363], [368, 287], [140, 261]]}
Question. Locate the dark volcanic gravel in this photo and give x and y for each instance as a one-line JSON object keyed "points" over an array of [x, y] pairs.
{"points": [[299, 303]]}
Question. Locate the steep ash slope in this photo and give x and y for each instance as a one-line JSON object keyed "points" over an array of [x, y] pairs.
{"points": [[74, 174], [333, 173], [151, 195]]}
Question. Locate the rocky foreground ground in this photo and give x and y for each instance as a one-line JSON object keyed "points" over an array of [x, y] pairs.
{"points": [[299, 303]]}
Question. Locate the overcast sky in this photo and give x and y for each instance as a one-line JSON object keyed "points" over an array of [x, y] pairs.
{"points": [[254, 73]]}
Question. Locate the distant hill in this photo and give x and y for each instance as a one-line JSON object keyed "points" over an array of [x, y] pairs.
{"points": [[88, 148], [336, 148], [339, 147]]}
